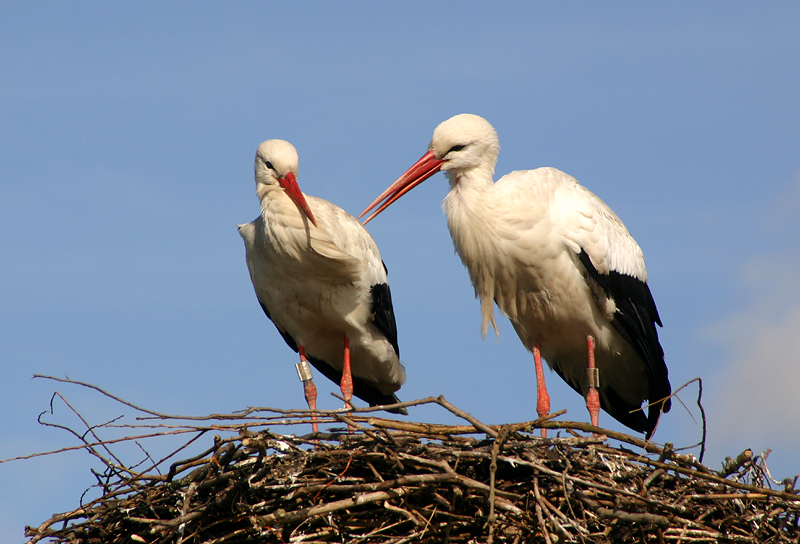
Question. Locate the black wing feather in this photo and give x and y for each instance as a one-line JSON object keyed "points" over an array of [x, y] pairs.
{"points": [[383, 313], [623, 411], [286, 336], [362, 388], [636, 319]]}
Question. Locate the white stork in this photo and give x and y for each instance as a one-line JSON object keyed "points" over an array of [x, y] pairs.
{"points": [[319, 277], [559, 263]]}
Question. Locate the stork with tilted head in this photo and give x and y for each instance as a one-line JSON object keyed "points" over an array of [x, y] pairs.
{"points": [[559, 263], [319, 277]]}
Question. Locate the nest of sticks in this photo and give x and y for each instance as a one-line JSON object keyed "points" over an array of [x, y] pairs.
{"points": [[375, 480]]}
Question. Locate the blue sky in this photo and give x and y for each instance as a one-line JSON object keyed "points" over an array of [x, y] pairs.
{"points": [[127, 142]]}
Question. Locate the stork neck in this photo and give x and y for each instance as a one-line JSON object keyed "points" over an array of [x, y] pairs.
{"points": [[475, 232], [477, 176], [267, 190], [276, 206], [471, 194]]}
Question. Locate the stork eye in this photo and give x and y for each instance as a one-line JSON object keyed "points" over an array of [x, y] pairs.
{"points": [[269, 165], [457, 148]]}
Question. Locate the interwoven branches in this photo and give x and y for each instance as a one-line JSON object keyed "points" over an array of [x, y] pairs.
{"points": [[376, 480]]}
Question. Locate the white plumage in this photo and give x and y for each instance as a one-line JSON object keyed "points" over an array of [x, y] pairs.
{"points": [[557, 261], [319, 277]]}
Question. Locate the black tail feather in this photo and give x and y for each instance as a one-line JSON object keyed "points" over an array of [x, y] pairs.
{"points": [[362, 388]]}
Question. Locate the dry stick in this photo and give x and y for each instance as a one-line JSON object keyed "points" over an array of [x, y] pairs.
{"points": [[652, 519], [550, 507], [428, 522], [498, 444], [501, 500], [160, 415], [492, 478], [186, 503], [186, 445], [703, 415], [167, 523], [542, 525], [720, 480], [86, 444], [281, 517], [186, 463], [44, 528], [465, 480], [350, 422], [702, 442], [242, 415], [375, 472], [90, 428], [409, 538], [92, 444], [403, 481], [405, 513], [352, 454], [602, 487], [575, 441], [725, 496], [109, 395], [539, 509], [388, 435], [464, 415], [657, 473], [438, 429], [378, 408], [650, 447], [419, 428], [372, 534], [732, 465]]}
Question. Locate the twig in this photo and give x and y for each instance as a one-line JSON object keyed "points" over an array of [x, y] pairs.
{"points": [[282, 517], [463, 415], [732, 465]]}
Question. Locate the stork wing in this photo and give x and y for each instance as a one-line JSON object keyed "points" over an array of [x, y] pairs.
{"points": [[614, 260], [342, 239], [587, 223]]}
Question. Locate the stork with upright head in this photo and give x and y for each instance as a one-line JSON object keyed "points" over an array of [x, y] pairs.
{"points": [[319, 277], [559, 263]]}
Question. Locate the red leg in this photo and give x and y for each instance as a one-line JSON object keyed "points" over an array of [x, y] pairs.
{"points": [[593, 397], [304, 371], [542, 396], [347, 376]]}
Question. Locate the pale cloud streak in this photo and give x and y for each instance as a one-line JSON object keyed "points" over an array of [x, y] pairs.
{"points": [[756, 398]]}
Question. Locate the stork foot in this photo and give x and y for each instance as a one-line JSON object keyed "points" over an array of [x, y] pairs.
{"points": [[593, 405], [309, 389], [347, 376], [592, 396], [311, 398], [542, 396]]}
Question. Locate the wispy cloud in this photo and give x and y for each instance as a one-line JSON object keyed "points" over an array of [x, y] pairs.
{"points": [[757, 400], [763, 342]]}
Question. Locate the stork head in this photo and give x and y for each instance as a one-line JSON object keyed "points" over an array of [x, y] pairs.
{"points": [[275, 169], [462, 145], [465, 142]]}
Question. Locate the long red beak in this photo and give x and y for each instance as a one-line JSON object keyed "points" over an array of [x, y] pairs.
{"points": [[289, 184], [424, 168]]}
